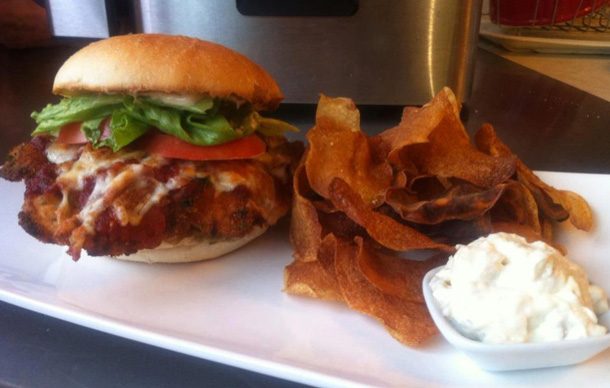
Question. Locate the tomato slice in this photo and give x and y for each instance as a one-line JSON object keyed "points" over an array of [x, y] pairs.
{"points": [[72, 134], [172, 147]]}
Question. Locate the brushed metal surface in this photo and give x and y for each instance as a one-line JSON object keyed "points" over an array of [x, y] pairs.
{"points": [[78, 18], [389, 52]]}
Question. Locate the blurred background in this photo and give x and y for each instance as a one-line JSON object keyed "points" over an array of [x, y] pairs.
{"points": [[393, 52]]}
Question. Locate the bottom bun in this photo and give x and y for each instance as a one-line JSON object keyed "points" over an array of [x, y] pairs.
{"points": [[188, 251]]}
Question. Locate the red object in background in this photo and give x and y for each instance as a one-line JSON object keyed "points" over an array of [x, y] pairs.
{"points": [[540, 12]]}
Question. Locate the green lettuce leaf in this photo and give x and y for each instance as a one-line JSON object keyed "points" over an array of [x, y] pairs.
{"points": [[123, 130], [210, 130], [194, 128], [91, 129], [69, 110], [207, 122]]}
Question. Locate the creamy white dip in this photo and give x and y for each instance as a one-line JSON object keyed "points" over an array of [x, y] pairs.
{"points": [[500, 288]]}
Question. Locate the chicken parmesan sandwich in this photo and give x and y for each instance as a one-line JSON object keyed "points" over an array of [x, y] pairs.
{"points": [[156, 153]]}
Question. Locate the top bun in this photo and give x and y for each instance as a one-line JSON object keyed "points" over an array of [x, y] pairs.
{"points": [[141, 63]]}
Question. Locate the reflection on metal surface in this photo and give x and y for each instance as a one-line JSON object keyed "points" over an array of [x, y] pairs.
{"points": [[78, 18], [451, 45], [388, 52]]}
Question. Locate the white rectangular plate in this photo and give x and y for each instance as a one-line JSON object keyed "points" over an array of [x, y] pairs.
{"points": [[232, 310]]}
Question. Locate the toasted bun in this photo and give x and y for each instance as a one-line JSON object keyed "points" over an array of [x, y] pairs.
{"points": [[166, 64], [191, 251]]}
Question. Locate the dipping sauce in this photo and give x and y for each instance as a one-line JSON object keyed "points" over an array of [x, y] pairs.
{"points": [[502, 289]]}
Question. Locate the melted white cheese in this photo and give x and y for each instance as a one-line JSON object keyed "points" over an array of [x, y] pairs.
{"points": [[95, 205], [114, 181], [226, 181], [61, 153], [89, 163], [109, 185]]}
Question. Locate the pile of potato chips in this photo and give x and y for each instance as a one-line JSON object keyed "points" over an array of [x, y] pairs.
{"points": [[359, 202]]}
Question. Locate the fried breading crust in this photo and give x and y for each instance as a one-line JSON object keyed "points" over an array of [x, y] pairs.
{"points": [[25, 160], [200, 208]]}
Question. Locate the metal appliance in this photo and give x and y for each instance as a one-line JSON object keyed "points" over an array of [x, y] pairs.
{"points": [[391, 52]]}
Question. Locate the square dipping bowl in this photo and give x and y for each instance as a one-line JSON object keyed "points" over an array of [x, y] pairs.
{"points": [[506, 357]]}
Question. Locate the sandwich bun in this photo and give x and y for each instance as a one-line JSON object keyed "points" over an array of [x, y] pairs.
{"points": [[145, 63], [189, 251]]}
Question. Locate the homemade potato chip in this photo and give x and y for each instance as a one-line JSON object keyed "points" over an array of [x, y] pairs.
{"points": [[461, 202], [416, 125], [310, 279], [546, 228], [328, 253], [527, 232], [305, 230], [339, 224], [383, 229], [450, 154], [580, 212], [517, 205], [434, 140], [459, 231], [550, 205], [337, 148], [556, 204], [427, 187], [393, 275], [408, 321], [360, 202]]}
